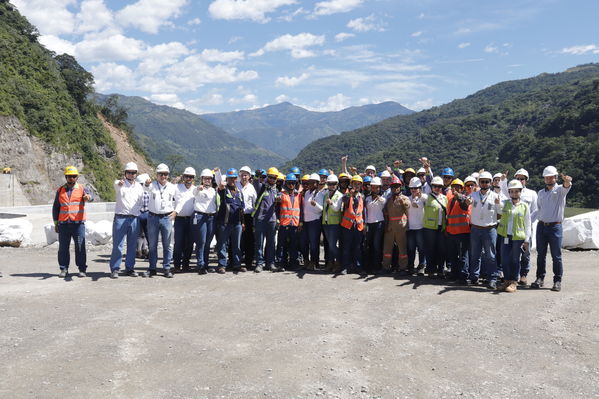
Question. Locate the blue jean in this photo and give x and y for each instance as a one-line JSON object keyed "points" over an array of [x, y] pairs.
{"points": [[228, 234], [457, 254], [525, 261], [416, 240], [510, 258], [202, 231], [435, 250], [264, 230], [288, 252], [311, 241], [331, 232], [352, 248], [374, 244], [76, 231], [183, 242], [552, 236], [124, 227], [164, 226], [482, 245]]}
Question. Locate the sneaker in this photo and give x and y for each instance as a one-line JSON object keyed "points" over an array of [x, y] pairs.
{"points": [[537, 284], [492, 284], [522, 282], [275, 269], [221, 270], [149, 273], [131, 273], [63, 273], [420, 270], [258, 269], [511, 287], [168, 273], [81, 274], [557, 286], [243, 269], [202, 270], [114, 274], [343, 272]]}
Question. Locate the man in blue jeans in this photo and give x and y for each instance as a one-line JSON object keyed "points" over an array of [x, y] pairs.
{"points": [[265, 223], [551, 202], [129, 199]]}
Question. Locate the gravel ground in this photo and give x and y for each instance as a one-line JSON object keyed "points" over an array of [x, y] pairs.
{"points": [[289, 336]]}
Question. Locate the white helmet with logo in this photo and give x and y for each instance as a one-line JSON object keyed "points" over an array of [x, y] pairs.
{"points": [[515, 184], [189, 171], [415, 182], [131, 166], [550, 171]]}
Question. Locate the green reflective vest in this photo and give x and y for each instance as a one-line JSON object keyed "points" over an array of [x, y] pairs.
{"points": [[329, 215], [431, 212], [519, 212]]}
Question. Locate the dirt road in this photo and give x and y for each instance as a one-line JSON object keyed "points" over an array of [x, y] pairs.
{"points": [[281, 336]]}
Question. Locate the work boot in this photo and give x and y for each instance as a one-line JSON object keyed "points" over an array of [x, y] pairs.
{"points": [[329, 267], [243, 269], [63, 273], [221, 270], [523, 282], [420, 270], [149, 273], [504, 285], [538, 283], [512, 286], [81, 274], [168, 273], [114, 274], [557, 286], [131, 273], [492, 285], [258, 269], [202, 270]]}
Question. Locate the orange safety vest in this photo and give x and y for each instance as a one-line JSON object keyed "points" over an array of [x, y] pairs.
{"points": [[71, 209], [349, 216], [290, 212], [458, 220]]}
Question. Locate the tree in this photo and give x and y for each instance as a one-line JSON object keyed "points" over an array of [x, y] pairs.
{"points": [[79, 82]]}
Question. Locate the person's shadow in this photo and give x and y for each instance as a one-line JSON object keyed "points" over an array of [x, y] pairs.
{"points": [[94, 276]]}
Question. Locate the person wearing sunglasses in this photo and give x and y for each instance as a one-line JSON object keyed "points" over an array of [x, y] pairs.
{"points": [[265, 223], [374, 203], [458, 231], [415, 234], [331, 217], [184, 199], [127, 208], [434, 223]]}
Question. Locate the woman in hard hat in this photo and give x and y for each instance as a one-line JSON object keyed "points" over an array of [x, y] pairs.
{"points": [[415, 232], [202, 224], [312, 204], [435, 211]]}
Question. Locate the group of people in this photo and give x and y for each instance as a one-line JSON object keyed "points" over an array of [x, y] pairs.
{"points": [[408, 222]]}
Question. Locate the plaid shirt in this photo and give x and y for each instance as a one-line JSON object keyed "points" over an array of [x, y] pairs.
{"points": [[146, 200]]}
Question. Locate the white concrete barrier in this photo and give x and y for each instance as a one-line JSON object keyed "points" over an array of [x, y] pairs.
{"points": [[15, 232]]}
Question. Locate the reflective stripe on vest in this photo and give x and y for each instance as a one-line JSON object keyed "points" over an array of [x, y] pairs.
{"points": [[350, 217], [71, 209], [289, 213], [458, 220]]}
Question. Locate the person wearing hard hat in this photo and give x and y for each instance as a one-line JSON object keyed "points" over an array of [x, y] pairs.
{"points": [[288, 214], [366, 182], [415, 234], [323, 174], [127, 207], [68, 213], [249, 199], [458, 231], [448, 175], [265, 223], [515, 231], [483, 233], [202, 223], [374, 203], [470, 186], [434, 222], [352, 227], [184, 199], [259, 179], [280, 181], [229, 222], [344, 180], [408, 174], [296, 171], [370, 171], [551, 202], [161, 206], [331, 217], [396, 225], [386, 184], [312, 206]]}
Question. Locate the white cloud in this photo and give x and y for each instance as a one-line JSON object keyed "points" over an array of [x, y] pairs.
{"points": [[282, 98], [246, 99], [291, 81], [149, 15], [464, 45], [491, 49], [51, 17], [195, 21], [109, 48], [109, 76], [58, 45], [417, 34], [334, 103], [161, 55], [339, 37], [170, 99], [581, 49], [214, 55], [254, 10], [93, 16], [420, 104], [335, 6], [366, 24], [290, 16], [296, 43]]}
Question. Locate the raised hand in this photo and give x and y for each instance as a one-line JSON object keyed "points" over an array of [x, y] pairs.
{"points": [[397, 163], [148, 181], [566, 178], [505, 174]]}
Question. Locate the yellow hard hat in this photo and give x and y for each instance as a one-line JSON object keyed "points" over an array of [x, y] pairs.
{"points": [[280, 176], [71, 171], [357, 178], [273, 171], [457, 182], [343, 176], [401, 171], [305, 177], [410, 170]]}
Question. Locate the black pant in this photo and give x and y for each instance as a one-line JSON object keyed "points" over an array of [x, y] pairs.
{"points": [[247, 240]]}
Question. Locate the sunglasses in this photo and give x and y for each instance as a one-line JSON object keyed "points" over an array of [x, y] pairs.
{"points": [[521, 178], [163, 174], [72, 176], [484, 181], [272, 177], [469, 185], [437, 186], [130, 172], [448, 177], [188, 177]]}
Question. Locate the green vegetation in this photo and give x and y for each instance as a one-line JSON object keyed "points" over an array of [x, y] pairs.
{"points": [[48, 94], [569, 212], [551, 119]]}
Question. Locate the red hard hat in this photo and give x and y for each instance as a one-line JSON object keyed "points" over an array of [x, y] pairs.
{"points": [[395, 180]]}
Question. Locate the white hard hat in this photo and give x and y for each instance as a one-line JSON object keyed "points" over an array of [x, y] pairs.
{"points": [[496, 175], [485, 175], [437, 180], [415, 182], [332, 179], [206, 173], [245, 169], [376, 181], [476, 175], [131, 166], [370, 167], [550, 171], [521, 172], [315, 177], [470, 179], [189, 171], [162, 168], [514, 184], [385, 173], [421, 170], [141, 179]]}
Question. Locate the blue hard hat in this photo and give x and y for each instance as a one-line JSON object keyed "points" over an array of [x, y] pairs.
{"points": [[232, 172], [295, 170], [447, 172], [367, 179], [323, 172], [291, 177]]}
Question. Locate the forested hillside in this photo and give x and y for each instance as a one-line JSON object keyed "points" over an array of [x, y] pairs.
{"points": [[531, 123]]}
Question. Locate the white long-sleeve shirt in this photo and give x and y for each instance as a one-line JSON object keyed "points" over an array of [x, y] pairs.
{"points": [[162, 198], [313, 212], [184, 200], [129, 198], [374, 209], [205, 199], [249, 197], [484, 209], [416, 212]]}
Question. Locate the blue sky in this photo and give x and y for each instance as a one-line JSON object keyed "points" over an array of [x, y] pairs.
{"points": [[224, 55]]}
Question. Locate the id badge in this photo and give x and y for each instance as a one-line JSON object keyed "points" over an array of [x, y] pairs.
{"points": [[506, 241], [489, 207], [195, 220], [162, 204]]}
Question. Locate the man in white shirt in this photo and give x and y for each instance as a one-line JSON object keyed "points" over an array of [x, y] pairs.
{"points": [[183, 213], [375, 226], [129, 196], [160, 219], [249, 199], [312, 212], [483, 234]]}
